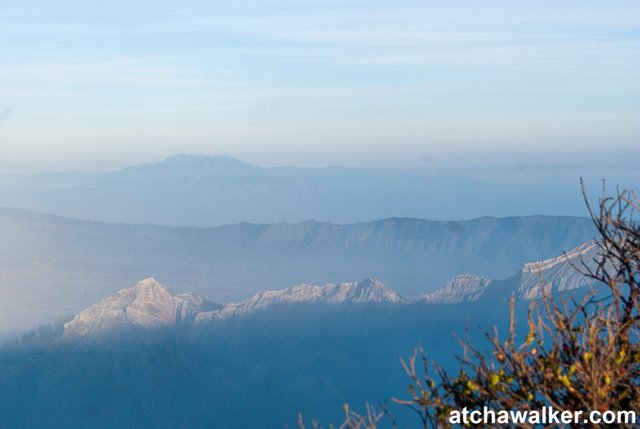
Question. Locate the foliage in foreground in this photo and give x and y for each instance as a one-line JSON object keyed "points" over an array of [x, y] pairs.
{"points": [[577, 355]]}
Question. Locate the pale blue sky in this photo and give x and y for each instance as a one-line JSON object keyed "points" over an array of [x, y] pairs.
{"points": [[100, 84]]}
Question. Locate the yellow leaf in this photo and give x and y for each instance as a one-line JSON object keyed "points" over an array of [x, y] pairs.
{"points": [[564, 380], [494, 380]]}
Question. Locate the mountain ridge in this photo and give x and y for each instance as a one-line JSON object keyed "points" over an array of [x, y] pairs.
{"points": [[219, 190], [51, 266], [149, 305], [365, 291]]}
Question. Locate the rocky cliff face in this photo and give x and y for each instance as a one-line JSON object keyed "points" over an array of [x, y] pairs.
{"points": [[462, 288], [557, 274], [365, 291]]}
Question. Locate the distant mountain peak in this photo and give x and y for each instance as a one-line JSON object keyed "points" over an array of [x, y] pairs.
{"points": [[371, 290], [203, 161], [148, 285], [188, 164], [147, 304]]}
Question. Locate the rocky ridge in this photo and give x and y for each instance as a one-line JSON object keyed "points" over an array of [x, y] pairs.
{"points": [[149, 305], [559, 274]]}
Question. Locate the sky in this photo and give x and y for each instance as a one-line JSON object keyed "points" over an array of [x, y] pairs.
{"points": [[464, 85]]}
